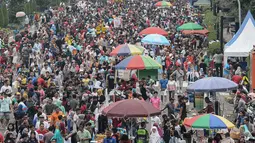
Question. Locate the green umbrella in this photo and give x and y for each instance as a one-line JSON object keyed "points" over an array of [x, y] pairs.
{"points": [[190, 26]]}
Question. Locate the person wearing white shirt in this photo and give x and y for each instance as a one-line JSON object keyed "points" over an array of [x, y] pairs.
{"points": [[43, 114], [37, 47], [6, 87], [45, 69], [42, 120], [156, 120]]}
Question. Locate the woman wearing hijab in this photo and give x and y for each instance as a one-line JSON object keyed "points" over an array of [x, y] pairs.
{"points": [[238, 71], [160, 131], [57, 136], [154, 135]]}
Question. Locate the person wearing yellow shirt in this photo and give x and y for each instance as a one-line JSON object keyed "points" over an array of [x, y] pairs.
{"points": [[245, 81], [25, 93]]}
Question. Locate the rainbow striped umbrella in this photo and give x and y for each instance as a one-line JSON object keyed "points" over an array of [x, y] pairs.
{"points": [[208, 121], [138, 62], [127, 49], [163, 4]]}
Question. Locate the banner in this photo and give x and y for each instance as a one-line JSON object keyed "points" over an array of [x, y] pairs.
{"points": [[117, 22], [124, 74]]}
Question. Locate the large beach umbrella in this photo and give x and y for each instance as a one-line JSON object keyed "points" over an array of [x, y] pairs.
{"points": [[155, 39], [163, 4], [208, 121], [190, 26], [212, 84], [131, 108], [20, 14], [153, 30], [138, 62], [127, 49]]}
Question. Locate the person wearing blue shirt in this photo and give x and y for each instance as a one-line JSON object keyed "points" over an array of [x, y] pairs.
{"points": [[163, 84], [109, 138], [226, 71]]}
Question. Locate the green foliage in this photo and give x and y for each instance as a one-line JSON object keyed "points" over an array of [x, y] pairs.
{"points": [[43, 4], [4, 20], [246, 5], [30, 7], [214, 48], [14, 7], [210, 20]]}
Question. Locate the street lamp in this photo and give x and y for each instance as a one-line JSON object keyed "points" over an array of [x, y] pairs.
{"points": [[227, 18], [239, 11]]}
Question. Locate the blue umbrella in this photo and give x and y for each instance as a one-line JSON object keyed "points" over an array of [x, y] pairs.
{"points": [[155, 39], [212, 84]]}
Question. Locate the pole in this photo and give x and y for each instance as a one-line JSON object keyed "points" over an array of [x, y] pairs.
{"points": [[221, 33], [221, 38], [239, 10]]}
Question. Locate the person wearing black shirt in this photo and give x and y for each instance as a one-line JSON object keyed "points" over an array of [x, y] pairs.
{"points": [[183, 112], [143, 92], [110, 79], [203, 66]]}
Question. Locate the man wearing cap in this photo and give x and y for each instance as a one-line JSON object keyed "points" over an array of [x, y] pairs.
{"points": [[142, 134], [42, 121]]}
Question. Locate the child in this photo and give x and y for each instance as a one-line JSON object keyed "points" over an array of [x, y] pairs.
{"points": [[171, 88]]}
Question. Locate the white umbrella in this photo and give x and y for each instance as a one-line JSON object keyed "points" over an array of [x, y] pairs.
{"points": [[20, 14]]}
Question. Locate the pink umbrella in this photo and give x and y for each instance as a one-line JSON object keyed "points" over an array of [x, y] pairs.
{"points": [[20, 14], [131, 108]]}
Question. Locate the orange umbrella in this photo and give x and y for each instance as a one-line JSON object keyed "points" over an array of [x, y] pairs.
{"points": [[201, 32], [153, 30]]}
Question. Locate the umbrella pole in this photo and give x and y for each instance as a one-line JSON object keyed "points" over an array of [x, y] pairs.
{"points": [[115, 81], [138, 74], [149, 126], [107, 97]]}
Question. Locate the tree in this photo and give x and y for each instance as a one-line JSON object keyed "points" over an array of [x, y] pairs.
{"points": [[14, 7], [43, 4], [5, 14], [246, 5]]}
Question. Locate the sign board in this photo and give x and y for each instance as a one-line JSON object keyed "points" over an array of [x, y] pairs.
{"points": [[124, 74], [117, 22]]}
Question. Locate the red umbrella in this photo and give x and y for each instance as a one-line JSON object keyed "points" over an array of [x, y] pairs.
{"points": [[153, 30], [201, 32], [131, 108]]}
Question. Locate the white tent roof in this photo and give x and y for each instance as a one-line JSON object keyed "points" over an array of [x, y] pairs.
{"points": [[242, 42]]}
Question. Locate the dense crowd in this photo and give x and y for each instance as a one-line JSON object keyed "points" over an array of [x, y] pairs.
{"points": [[54, 79]]}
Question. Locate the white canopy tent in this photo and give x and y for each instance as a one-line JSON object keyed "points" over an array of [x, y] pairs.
{"points": [[242, 42]]}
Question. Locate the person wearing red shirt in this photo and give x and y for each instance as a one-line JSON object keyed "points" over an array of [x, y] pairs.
{"points": [[30, 85], [41, 132], [168, 61], [237, 79], [41, 81], [1, 138], [190, 58]]}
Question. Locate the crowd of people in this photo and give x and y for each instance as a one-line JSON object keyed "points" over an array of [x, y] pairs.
{"points": [[53, 80]]}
